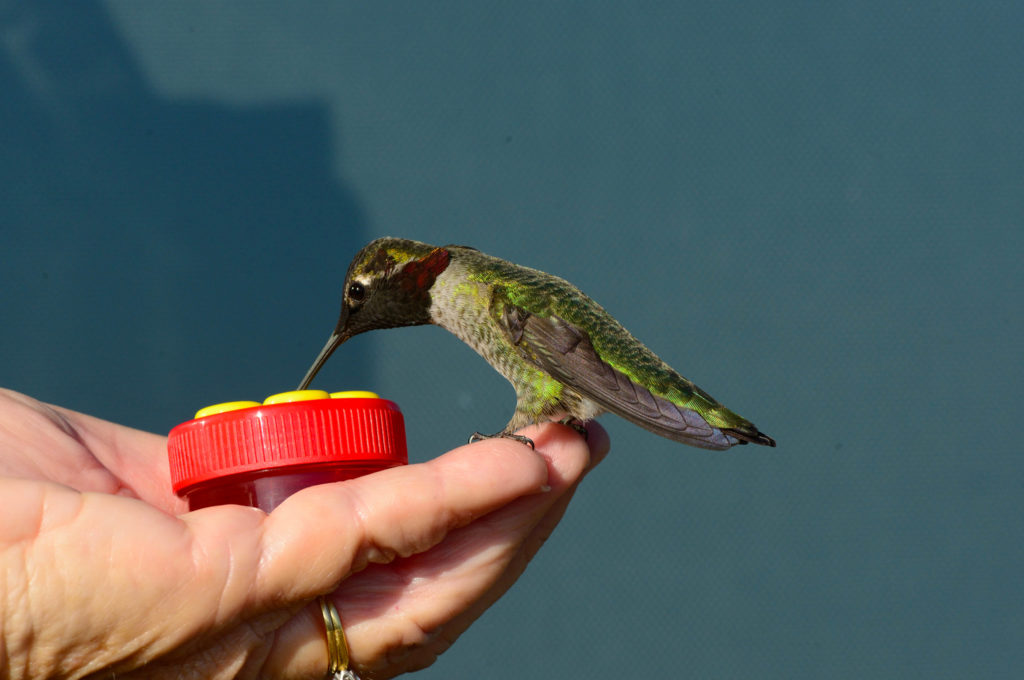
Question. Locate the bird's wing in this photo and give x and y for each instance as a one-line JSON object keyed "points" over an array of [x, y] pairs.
{"points": [[564, 351]]}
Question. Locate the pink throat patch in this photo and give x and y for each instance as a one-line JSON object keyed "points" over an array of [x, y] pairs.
{"points": [[419, 275]]}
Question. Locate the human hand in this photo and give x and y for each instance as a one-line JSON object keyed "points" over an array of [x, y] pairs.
{"points": [[105, 572]]}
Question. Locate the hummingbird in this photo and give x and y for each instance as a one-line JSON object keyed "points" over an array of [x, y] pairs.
{"points": [[566, 357]]}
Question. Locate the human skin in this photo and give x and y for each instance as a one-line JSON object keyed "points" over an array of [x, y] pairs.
{"points": [[103, 570]]}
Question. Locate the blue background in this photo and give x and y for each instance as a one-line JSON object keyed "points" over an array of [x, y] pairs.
{"points": [[814, 210]]}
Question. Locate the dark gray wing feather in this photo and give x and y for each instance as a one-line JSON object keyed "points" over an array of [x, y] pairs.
{"points": [[565, 352]]}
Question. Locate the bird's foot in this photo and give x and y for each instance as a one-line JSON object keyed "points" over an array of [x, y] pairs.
{"points": [[576, 424], [477, 437]]}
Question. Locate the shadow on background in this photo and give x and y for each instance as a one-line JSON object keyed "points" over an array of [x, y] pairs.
{"points": [[194, 226]]}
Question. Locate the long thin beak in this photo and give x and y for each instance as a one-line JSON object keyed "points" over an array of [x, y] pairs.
{"points": [[332, 344]]}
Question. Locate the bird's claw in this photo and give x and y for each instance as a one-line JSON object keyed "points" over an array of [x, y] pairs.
{"points": [[576, 424], [478, 437]]}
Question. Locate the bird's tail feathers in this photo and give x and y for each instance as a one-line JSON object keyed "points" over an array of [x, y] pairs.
{"points": [[755, 437]]}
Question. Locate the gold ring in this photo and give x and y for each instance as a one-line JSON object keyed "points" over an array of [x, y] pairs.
{"points": [[337, 646]]}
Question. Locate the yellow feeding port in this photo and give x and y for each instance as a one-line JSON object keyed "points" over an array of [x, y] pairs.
{"points": [[296, 395], [355, 394], [225, 407]]}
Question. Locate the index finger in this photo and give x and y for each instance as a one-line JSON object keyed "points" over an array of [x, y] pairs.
{"points": [[320, 535]]}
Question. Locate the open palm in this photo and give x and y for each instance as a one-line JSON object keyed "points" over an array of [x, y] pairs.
{"points": [[106, 572]]}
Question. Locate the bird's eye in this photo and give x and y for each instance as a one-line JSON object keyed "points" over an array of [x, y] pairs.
{"points": [[356, 291]]}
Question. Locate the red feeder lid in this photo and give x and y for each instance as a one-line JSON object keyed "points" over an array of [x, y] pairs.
{"points": [[292, 429]]}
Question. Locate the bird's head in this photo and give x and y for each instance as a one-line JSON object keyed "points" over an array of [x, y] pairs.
{"points": [[387, 285]]}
